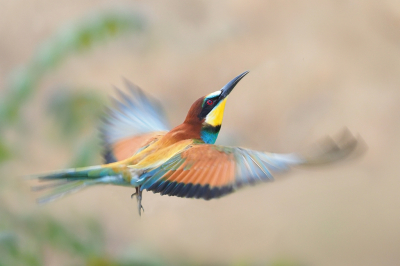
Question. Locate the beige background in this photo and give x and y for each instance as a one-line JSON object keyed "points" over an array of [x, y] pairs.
{"points": [[315, 67]]}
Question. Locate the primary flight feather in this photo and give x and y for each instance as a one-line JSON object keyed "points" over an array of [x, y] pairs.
{"points": [[141, 151]]}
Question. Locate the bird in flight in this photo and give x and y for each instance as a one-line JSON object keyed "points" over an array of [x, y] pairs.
{"points": [[141, 151]]}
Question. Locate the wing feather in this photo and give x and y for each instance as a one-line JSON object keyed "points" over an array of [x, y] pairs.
{"points": [[134, 121], [210, 171]]}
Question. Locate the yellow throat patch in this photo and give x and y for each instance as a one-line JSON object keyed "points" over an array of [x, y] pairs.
{"points": [[214, 118]]}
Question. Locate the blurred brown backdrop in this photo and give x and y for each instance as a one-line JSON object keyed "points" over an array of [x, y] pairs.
{"points": [[315, 67]]}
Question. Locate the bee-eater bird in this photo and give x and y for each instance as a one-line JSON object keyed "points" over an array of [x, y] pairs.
{"points": [[141, 152]]}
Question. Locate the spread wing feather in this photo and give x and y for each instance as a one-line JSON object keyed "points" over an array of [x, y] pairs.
{"points": [[135, 121], [211, 171]]}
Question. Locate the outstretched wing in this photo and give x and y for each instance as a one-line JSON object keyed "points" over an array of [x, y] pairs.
{"points": [[211, 171], [135, 121]]}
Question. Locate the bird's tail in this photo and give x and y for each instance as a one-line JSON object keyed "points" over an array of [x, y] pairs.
{"points": [[64, 182]]}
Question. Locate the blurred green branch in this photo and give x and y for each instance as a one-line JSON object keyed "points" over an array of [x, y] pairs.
{"points": [[74, 111], [24, 239], [77, 38]]}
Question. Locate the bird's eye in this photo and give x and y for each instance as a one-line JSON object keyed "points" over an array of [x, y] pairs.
{"points": [[209, 102]]}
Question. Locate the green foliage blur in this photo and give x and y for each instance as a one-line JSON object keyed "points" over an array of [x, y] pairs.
{"points": [[73, 39], [32, 239]]}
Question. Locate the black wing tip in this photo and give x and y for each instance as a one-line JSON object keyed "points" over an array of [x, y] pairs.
{"points": [[189, 190]]}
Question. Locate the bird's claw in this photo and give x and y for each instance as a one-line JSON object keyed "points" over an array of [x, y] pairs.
{"points": [[140, 206], [138, 195]]}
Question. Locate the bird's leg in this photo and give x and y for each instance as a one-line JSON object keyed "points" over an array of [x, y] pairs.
{"points": [[138, 195]]}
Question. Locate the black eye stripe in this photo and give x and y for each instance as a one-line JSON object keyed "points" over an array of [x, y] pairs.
{"points": [[206, 108], [214, 100]]}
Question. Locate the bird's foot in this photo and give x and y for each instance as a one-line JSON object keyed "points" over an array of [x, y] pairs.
{"points": [[138, 195]]}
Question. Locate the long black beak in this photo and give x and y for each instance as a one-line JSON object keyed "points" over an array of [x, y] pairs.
{"points": [[231, 84]]}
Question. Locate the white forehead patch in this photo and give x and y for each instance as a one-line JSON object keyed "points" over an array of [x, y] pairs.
{"points": [[214, 94]]}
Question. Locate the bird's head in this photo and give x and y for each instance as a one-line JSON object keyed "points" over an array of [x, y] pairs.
{"points": [[209, 111]]}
